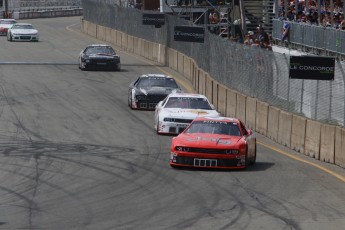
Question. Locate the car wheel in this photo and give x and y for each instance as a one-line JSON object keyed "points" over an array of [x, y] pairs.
{"points": [[9, 38], [248, 160], [157, 125], [130, 101], [174, 166], [253, 161], [82, 68]]}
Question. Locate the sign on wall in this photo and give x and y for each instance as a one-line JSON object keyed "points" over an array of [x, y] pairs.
{"points": [[154, 19], [312, 68], [189, 34]]}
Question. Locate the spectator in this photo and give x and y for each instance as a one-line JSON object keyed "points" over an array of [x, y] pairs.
{"points": [[248, 38], [342, 23], [262, 35], [256, 43]]}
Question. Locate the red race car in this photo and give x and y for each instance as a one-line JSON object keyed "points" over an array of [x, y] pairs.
{"points": [[214, 143]]}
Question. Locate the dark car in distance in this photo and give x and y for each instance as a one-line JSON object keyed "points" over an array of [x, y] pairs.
{"points": [[149, 89], [99, 57]]}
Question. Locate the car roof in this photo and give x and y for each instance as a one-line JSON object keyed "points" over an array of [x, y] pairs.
{"points": [[194, 95], [154, 75], [225, 119]]}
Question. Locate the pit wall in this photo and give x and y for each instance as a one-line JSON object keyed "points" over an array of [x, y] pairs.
{"points": [[317, 140]]}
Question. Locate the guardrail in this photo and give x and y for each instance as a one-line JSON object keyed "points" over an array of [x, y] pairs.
{"points": [[313, 39]]}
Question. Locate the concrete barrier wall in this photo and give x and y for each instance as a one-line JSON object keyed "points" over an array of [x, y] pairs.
{"points": [[173, 59], [327, 142], [215, 94], [261, 117], [180, 62], [241, 106], [250, 113], [222, 99], [339, 148], [202, 82], [298, 133], [273, 123], [101, 33], [119, 38], [284, 130], [312, 139], [108, 35], [323, 142], [209, 87], [113, 36], [187, 67], [231, 103]]}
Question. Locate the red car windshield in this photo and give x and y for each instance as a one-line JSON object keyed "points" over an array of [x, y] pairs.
{"points": [[214, 127]]}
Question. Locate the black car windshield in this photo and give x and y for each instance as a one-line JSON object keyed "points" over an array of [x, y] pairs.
{"points": [[188, 103], [22, 27], [215, 127], [146, 82], [100, 50]]}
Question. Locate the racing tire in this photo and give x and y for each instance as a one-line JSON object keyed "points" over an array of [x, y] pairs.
{"points": [[130, 102], [248, 160], [174, 166], [9, 38], [157, 127], [253, 161]]}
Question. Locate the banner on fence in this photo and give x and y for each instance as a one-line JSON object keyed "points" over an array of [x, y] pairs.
{"points": [[312, 68], [154, 19], [189, 34]]}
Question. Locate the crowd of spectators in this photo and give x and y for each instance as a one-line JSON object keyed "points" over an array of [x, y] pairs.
{"points": [[260, 38], [311, 13]]}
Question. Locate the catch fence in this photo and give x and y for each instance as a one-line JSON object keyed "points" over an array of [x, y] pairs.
{"points": [[253, 71]]}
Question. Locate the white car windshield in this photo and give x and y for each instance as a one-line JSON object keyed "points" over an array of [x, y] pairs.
{"points": [[214, 127], [22, 27], [188, 103]]}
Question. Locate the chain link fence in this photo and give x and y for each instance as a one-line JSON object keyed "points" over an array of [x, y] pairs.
{"points": [[253, 71]]}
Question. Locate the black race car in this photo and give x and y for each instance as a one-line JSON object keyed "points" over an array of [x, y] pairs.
{"points": [[149, 89], [99, 57]]}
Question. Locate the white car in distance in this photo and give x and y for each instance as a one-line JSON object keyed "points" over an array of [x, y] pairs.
{"points": [[22, 32], [178, 110]]}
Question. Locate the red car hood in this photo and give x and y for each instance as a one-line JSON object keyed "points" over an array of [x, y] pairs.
{"points": [[202, 140]]}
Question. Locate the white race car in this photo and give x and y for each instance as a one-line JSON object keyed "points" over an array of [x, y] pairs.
{"points": [[178, 110], [22, 32]]}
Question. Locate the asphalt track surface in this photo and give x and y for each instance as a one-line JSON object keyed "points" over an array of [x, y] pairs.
{"points": [[74, 156]]}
